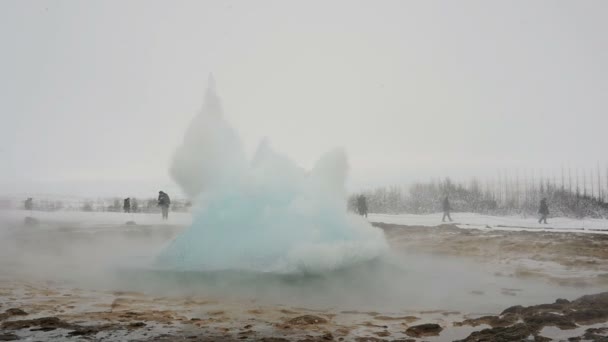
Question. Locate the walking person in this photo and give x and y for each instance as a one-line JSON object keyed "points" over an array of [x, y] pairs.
{"points": [[446, 209], [543, 211], [126, 206], [362, 205], [29, 204], [164, 202]]}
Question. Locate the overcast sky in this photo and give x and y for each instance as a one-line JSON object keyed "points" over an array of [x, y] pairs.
{"points": [[103, 90]]}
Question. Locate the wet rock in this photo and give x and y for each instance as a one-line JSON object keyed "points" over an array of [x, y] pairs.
{"points": [[383, 333], [493, 321], [549, 319], [12, 312], [549, 307], [15, 312], [590, 316], [368, 339], [517, 332], [595, 335], [43, 324], [53, 323], [597, 300], [84, 331], [428, 329], [8, 337], [307, 320], [327, 337], [137, 325], [589, 309], [517, 309], [246, 332]]}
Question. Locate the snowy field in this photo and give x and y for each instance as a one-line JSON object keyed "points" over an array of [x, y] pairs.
{"points": [[91, 219], [462, 220], [478, 221]]}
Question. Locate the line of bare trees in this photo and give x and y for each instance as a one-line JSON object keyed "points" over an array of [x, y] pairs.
{"points": [[578, 193], [148, 205]]}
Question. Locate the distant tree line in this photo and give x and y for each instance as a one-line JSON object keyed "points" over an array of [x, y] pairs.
{"points": [[148, 205], [503, 197]]}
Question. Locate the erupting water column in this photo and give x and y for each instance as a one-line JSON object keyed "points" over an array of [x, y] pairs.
{"points": [[267, 214]]}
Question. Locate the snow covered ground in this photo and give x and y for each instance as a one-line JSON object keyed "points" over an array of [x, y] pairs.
{"points": [[83, 219], [462, 220], [472, 220]]}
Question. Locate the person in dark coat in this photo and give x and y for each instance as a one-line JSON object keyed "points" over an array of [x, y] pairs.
{"points": [[446, 209], [543, 211], [126, 206], [362, 205], [164, 202], [29, 204]]}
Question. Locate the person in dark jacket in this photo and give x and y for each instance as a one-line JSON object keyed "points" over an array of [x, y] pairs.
{"points": [[543, 211], [446, 209], [126, 206], [164, 202], [362, 205], [29, 204]]}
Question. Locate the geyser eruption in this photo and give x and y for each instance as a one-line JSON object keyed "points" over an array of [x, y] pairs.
{"points": [[265, 215]]}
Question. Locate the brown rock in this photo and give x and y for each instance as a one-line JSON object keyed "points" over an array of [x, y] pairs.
{"points": [[8, 337], [137, 325], [44, 324], [428, 329], [307, 320], [549, 319], [517, 332], [15, 312], [368, 339]]}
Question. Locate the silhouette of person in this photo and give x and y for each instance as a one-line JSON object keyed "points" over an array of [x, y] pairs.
{"points": [[362, 205], [164, 202], [29, 204], [543, 211], [446, 209], [127, 205]]}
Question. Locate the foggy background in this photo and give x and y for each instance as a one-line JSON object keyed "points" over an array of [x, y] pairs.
{"points": [[95, 96]]}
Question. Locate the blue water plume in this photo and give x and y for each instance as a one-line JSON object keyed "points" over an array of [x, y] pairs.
{"points": [[265, 214]]}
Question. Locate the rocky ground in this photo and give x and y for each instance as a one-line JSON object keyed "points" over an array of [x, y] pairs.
{"points": [[33, 309], [575, 259]]}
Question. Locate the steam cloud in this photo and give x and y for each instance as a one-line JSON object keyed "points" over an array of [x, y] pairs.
{"points": [[266, 214]]}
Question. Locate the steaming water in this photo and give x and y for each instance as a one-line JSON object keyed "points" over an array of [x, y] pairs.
{"points": [[266, 215], [118, 257], [394, 283]]}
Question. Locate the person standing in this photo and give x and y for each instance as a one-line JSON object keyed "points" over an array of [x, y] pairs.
{"points": [[543, 211], [164, 202], [29, 204], [446, 209], [126, 206], [362, 205]]}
